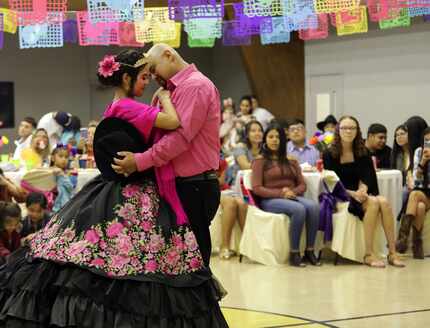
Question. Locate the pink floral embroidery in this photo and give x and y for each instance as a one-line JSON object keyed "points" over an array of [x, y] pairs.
{"points": [[92, 237], [119, 261], [120, 247], [124, 245], [114, 229], [130, 190], [190, 241], [98, 262], [76, 248], [146, 226], [151, 266], [156, 243], [195, 263], [172, 257]]}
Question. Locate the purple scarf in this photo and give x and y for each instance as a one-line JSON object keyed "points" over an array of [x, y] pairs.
{"points": [[328, 201]]}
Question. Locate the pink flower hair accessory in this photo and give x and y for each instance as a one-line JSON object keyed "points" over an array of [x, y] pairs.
{"points": [[108, 66]]}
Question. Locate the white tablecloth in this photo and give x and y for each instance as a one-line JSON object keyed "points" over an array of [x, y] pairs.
{"points": [[389, 183], [84, 175]]}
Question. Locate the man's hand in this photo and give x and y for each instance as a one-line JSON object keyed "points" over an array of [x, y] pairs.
{"points": [[125, 166]]}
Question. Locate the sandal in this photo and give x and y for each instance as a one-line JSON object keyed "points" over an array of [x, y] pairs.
{"points": [[226, 254], [393, 259], [374, 263]]}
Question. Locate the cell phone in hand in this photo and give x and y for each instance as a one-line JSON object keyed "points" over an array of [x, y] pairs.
{"points": [[84, 133], [427, 144]]}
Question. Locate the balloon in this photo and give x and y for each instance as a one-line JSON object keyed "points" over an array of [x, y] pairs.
{"points": [[5, 140], [317, 134]]}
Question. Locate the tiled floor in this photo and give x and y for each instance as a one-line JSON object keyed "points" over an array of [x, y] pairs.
{"points": [[347, 295]]}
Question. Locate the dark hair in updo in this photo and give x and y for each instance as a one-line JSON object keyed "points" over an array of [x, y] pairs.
{"points": [[129, 57]]}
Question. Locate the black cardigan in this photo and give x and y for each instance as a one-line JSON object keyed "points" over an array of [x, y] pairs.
{"points": [[350, 174]]}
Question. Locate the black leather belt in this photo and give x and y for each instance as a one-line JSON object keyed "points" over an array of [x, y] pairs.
{"points": [[208, 175]]}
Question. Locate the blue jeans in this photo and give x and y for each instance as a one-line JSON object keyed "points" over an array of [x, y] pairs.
{"points": [[300, 211]]}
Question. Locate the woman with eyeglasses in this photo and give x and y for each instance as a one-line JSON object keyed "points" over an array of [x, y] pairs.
{"points": [[349, 158]]}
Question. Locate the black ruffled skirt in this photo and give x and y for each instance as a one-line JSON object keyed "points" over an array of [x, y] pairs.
{"points": [[122, 265]]}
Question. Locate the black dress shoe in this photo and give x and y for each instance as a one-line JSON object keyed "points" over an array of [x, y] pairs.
{"points": [[311, 258], [296, 260]]}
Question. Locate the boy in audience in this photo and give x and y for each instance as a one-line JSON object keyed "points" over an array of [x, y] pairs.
{"points": [[37, 215], [376, 143], [25, 132], [10, 217], [297, 145]]}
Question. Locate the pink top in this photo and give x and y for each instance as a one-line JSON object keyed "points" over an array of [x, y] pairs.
{"points": [[268, 182], [140, 115], [143, 118], [194, 147]]}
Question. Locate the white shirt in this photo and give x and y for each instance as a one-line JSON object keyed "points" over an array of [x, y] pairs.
{"points": [[51, 126], [263, 116], [21, 144]]}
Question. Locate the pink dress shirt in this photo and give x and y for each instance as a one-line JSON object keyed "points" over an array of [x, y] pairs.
{"points": [[194, 147]]}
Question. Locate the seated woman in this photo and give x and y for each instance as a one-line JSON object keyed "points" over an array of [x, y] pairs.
{"points": [[39, 151], [249, 149], [419, 198], [401, 159], [234, 210], [349, 158], [279, 182]]}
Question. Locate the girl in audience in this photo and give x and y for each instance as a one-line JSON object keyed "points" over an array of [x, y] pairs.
{"points": [[38, 153], [65, 186], [9, 191], [350, 160], [419, 198], [416, 126], [401, 159], [234, 210], [10, 217], [249, 149], [401, 155], [245, 114], [279, 183]]}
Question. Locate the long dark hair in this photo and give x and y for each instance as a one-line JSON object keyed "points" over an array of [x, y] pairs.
{"points": [[426, 166], [282, 150], [416, 126], [248, 127], [358, 147], [397, 150]]}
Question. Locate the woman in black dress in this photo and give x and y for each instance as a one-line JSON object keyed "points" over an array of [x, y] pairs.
{"points": [[349, 158]]}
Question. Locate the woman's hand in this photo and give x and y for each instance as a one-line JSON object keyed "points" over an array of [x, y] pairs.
{"points": [[359, 195], [125, 166], [425, 157], [288, 193], [162, 94]]}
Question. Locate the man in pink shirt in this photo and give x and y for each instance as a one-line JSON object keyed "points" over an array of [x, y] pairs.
{"points": [[194, 147]]}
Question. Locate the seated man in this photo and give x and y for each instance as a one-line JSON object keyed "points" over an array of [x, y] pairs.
{"points": [[297, 146], [25, 132], [376, 143]]}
